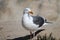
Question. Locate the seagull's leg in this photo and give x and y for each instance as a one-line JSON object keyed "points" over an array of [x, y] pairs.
{"points": [[30, 34], [34, 36]]}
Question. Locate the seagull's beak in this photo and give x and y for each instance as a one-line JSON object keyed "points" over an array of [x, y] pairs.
{"points": [[30, 12]]}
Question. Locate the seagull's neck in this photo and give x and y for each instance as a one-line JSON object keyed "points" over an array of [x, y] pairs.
{"points": [[27, 16]]}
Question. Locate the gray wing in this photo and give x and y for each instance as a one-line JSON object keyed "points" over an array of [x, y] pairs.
{"points": [[38, 20]]}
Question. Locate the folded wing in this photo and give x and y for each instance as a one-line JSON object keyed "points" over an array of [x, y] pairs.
{"points": [[38, 20]]}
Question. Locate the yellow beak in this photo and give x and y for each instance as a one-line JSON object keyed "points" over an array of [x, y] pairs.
{"points": [[30, 12]]}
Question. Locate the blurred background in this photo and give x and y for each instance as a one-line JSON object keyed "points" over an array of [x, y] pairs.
{"points": [[11, 12]]}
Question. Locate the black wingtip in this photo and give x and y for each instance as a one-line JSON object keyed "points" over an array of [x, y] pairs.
{"points": [[49, 22]]}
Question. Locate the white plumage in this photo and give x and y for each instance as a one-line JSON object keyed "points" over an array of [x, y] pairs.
{"points": [[32, 23], [28, 22]]}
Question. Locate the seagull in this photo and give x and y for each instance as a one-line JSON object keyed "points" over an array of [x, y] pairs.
{"points": [[32, 23]]}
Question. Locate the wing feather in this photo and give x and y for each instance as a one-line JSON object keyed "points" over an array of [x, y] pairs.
{"points": [[38, 20]]}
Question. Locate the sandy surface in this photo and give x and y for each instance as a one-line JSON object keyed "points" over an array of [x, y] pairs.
{"points": [[11, 14]]}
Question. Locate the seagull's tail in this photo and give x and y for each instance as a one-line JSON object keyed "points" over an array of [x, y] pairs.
{"points": [[47, 21]]}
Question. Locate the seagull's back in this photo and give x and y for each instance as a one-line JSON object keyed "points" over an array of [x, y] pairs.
{"points": [[38, 20]]}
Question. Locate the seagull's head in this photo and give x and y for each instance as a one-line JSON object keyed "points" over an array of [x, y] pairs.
{"points": [[28, 11]]}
